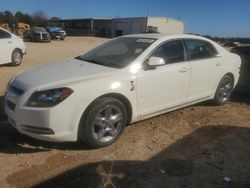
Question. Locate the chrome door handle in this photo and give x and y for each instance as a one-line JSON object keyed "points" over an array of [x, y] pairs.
{"points": [[218, 64], [184, 69], [9, 41]]}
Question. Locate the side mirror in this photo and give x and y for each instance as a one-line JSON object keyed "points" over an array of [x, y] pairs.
{"points": [[153, 62], [156, 61]]}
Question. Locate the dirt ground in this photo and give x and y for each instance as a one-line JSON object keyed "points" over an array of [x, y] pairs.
{"points": [[200, 146]]}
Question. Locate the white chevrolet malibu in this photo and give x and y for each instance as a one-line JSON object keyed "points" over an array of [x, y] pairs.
{"points": [[94, 96], [12, 48]]}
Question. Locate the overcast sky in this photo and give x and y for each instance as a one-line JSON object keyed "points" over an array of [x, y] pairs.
{"points": [[217, 18]]}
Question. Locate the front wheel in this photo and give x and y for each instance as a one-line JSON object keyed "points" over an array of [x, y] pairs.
{"points": [[103, 122], [16, 57], [224, 90]]}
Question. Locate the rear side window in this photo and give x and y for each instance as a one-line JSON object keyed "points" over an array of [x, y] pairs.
{"points": [[171, 52], [198, 49], [4, 34]]}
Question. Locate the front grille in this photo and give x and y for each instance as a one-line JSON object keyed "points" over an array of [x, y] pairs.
{"points": [[16, 90], [45, 36], [36, 34], [37, 130], [11, 105]]}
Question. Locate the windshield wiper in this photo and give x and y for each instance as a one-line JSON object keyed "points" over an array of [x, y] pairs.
{"points": [[89, 60], [112, 65]]}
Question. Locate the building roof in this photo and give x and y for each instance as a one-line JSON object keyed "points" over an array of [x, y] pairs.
{"points": [[93, 18], [145, 17], [109, 19]]}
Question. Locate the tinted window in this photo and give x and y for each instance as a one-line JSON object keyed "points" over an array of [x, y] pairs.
{"points": [[198, 49], [171, 52], [4, 35], [239, 50]]}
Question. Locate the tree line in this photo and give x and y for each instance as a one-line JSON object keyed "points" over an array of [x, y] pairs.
{"points": [[38, 18]]}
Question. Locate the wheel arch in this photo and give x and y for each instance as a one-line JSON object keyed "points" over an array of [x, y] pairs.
{"points": [[124, 100], [20, 50], [226, 74], [117, 96], [231, 75]]}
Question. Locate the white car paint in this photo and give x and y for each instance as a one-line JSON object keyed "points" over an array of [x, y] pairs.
{"points": [[8, 45], [150, 92]]}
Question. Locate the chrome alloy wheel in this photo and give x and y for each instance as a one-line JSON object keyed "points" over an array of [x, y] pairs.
{"points": [[225, 90], [107, 123], [17, 57]]}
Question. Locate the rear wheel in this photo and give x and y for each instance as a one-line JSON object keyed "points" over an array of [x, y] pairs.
{"points": [[16, 57], [224, 90], [103, 123]]}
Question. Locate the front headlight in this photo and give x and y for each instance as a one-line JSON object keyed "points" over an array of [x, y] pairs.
{"points": [[49, 98]]}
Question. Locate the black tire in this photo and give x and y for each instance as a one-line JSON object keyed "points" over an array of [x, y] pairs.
{"points": [[62, 38], [16, 58], [100, 134], [224, 90]]}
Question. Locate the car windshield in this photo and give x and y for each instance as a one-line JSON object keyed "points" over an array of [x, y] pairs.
{"points": [[39, 29], [117, 53], [51, 29]]}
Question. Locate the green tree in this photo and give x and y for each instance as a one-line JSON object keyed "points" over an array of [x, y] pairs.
{"points": [[24, 18], [40, 18]]}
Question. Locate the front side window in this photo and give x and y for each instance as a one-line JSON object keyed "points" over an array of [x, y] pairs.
{"points": [[171, 52], [198, 49], [4, 34], [117, 53]]}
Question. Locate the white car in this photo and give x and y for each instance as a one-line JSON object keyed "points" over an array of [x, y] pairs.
{"points": [[12, 48], [127, 79]]}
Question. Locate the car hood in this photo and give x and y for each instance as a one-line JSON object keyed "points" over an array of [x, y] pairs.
{"points": [[61, 73]]}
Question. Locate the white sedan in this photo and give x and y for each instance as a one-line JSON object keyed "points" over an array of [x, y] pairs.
{"points": [[94, 96], [12, 48]]}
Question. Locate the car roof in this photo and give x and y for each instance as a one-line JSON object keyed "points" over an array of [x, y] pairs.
{"points": [[164, 36]]}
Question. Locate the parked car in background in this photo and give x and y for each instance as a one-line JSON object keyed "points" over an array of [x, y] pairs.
{"points": [[38, 34], [94, 96], [12, 48], [244, 53], [56, 32]]}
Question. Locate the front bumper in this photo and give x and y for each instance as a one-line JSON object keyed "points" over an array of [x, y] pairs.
{"points": [[57, 124], [57, 35]]}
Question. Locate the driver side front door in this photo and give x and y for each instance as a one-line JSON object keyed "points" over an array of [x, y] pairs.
{"points": [[166, 86]]}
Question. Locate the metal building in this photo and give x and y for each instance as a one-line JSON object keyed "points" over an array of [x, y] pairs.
{"points": [[124, 26], [108, 27], [100, 27]]}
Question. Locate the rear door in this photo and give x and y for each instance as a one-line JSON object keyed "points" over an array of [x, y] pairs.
{"points": [[206, 64]]}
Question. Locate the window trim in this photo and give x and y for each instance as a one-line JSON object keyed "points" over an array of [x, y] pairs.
{"points": [[188, 57], [164, 42]]}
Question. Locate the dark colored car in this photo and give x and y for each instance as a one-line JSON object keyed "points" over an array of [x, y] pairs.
{"points": [[244, 53], [39, 34], [56, 32]]}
